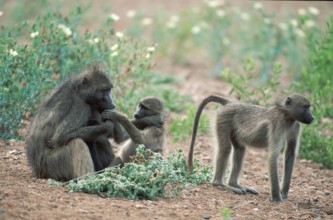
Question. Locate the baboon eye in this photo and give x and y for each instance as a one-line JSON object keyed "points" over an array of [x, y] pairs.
{"points": [[307, 106]]}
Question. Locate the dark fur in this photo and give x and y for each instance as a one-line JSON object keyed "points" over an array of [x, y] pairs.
{"points": [[66, 138]]}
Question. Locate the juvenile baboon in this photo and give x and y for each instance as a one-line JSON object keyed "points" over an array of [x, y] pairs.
{"points": [[147, 127], [239, 125], [67, 138]]}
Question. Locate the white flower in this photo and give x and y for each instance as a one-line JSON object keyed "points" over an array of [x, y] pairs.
{"points": [[196, 29], [1, 13], [13, 52], [313, 10], [34, 34], [301, 11], [151, 49], [65, 29], [244, 16], [114, 17], [114, 54], [146, 21], [172, 23], [226, 41], [258, 5], [214, 3], [119, 34], [115, 47], [267, 21], [283, 26], [148, 55], [220, 13], [294, 22], [310, 23], [299, 32], [131, 13], [94, 41]]}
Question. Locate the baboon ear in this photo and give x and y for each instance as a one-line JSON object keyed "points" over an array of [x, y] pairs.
{"points": [[85, 82], [288, 101]]}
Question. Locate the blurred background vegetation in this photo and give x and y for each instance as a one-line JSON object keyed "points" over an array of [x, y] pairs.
{"points": [[259, 48]]}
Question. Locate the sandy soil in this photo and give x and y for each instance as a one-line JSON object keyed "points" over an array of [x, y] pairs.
{"points": [[310, 197]]}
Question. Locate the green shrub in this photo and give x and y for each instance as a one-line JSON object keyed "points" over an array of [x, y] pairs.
{"points": [[144, 178], [316, 79], [181, 126], [40, 54]]}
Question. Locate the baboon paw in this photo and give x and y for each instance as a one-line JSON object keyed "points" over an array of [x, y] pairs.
{"points": [[217, 183], [284, 196], [251, 190], [107, 114], [238, 190], [277, 199]]}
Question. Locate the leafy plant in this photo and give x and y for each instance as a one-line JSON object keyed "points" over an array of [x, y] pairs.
{"points": [[225, 212], [54, 49], [250, 89], [181, 126], [148, 177]]}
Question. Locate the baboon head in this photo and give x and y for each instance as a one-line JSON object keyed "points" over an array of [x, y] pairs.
{"points": [[94, 87], [298, 108], [148, 106]]}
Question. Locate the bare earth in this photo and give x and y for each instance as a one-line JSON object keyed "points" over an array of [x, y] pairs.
{"points": [[310, 197]]}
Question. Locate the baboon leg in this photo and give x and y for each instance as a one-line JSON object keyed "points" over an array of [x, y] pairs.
{"points": [[237, 164], [273, 153], [289, 160], [70, 161], [127, 150], [101, 152], [221, 158]]}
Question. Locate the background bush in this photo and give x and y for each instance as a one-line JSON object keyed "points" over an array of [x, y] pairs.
{"points": [[251, 48]]}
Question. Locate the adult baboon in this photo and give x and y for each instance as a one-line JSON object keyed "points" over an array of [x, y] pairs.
{"points": [[147, 127], [239, 125], [67, 138]]}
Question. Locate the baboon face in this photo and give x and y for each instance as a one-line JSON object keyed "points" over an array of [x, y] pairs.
{"points": [[148, 106], [97, 92], [300, 108]]}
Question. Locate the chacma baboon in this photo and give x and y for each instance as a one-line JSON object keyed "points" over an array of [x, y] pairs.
{"points": [[147, 127], [239, 125], [67, 138]]}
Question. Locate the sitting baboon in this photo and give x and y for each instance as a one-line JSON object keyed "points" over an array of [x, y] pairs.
{"points": [[239, 125], [67, 138], [147, 127]]}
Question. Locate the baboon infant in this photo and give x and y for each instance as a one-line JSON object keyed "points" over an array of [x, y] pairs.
{"points": [[239, 125], [67, 138], [146, 128]]}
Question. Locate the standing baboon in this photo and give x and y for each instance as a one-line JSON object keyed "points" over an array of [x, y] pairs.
{"points": [[66, 138], [147, 127], [239, 125]]}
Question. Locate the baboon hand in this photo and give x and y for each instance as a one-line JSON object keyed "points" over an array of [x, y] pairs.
{"points": [[112, 115]]}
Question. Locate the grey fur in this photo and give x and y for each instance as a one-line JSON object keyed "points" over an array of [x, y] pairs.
{"points": [[56, 143], [239, 125]]}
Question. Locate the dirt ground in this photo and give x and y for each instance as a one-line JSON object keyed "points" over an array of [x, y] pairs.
{"points": [[310, 197]]}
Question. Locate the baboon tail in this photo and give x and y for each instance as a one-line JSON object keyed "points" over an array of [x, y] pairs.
{"points": [[212, 98]]}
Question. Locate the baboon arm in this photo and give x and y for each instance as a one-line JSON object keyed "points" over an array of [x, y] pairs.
{"points": [[154, 120], [119, 134], [132, 131], [289, 159], [88, 133]]}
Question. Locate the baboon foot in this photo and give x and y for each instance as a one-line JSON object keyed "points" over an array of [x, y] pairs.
{"points": [[238, 189], [116, 162], [284, 196], [277, 199], [217, 183]]}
